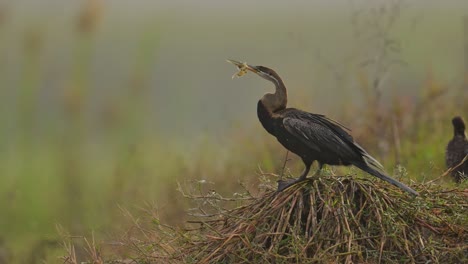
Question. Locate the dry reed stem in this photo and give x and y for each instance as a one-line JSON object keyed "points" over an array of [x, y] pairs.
{"points": [[449, 170]]}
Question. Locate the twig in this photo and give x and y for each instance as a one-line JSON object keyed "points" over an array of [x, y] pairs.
{"points": [[449, 170]]}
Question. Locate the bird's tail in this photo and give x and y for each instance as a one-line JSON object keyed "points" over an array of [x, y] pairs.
{"points": [[373, 167], [372, 162]]}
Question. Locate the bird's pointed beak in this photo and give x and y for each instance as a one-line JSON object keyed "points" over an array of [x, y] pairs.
{"points": [[242, 66]]}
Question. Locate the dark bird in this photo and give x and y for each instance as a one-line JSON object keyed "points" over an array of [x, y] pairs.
{"points": [[457, 150], [313, 137]]}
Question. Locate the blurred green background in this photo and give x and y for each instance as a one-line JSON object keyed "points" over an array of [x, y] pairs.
{"points": [[108, 104]]}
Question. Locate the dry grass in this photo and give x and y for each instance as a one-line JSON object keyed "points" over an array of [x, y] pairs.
{"points": [[325, 220]]}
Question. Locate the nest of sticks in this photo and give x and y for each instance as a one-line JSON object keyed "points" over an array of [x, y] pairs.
{"points": [[321, 220]]}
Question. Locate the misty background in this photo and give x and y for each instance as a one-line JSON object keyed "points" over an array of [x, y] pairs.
{"points": [[185, 44], [107, 104]]}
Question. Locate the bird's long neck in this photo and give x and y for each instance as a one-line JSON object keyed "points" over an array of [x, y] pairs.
{"points": [[459, 132], [271, 103], [458, 127], [277, 101]]}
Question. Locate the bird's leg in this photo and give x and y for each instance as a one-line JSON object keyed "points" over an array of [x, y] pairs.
{"points": [[319, 170], [282, 185]]}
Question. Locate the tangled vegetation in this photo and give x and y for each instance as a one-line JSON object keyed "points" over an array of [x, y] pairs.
{"points": [[323, 220]]}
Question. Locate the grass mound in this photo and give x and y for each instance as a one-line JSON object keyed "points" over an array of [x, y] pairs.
{"points": [[325, 220]]}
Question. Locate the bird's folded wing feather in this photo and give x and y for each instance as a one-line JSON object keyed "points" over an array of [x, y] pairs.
{"points": [[320, 134], [328, 136]]}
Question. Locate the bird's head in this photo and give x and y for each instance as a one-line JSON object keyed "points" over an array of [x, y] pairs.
{"points": [[458, 124], [262, 71]]}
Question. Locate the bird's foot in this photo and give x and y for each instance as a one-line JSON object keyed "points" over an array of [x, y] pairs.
{"points": [[283, 185]]}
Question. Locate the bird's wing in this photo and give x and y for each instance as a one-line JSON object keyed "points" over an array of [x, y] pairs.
{"points": [[321, 134], [324, 134]]}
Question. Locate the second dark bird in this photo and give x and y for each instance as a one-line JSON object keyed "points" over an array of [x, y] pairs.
{"points": [[313, 137], [457, 150]]}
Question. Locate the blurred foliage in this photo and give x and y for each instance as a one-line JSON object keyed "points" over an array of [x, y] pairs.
{"points": [[86, 135]]}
